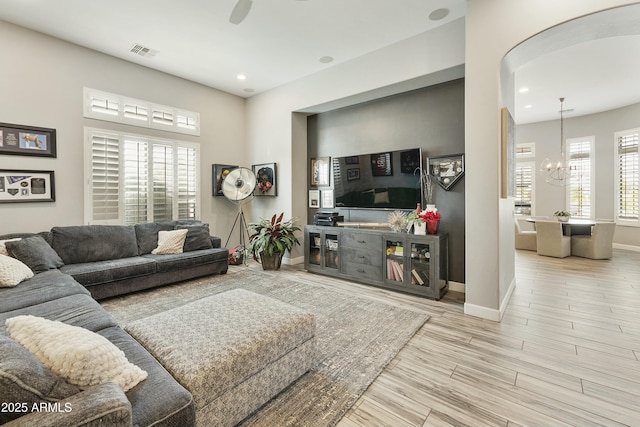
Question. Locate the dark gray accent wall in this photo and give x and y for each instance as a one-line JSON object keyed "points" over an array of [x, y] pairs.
{"points": [[430, 118]]}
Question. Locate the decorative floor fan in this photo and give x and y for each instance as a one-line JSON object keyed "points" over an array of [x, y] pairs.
{"points": [[238, 187]]}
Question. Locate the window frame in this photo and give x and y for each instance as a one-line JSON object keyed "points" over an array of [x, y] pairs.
{"points": [[532, 207], [616, 159], [151, 142], [592, 175]]}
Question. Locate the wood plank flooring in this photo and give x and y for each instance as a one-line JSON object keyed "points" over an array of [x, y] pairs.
{"points": [[567, 352]]}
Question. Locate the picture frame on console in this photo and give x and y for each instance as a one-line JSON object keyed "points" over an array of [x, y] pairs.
{"points": [[21, 186], [327, 199], [21, 140], [314, 198]]}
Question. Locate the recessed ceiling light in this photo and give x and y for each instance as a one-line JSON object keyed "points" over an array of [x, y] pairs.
{"points": [[439, 14], [528, 106], [241, 77], [524, 90], [326, 59], [249, 90]]}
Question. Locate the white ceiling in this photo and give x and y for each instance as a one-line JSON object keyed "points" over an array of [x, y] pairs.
{"points": [[280, 40], [283, 40]]}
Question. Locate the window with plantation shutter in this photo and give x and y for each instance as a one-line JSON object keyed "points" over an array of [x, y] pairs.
{"points": [[134, 179], [116, 108], [628, 177], [524, 181], [580, 191]]}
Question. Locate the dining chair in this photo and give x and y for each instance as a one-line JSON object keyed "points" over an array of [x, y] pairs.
{"points": [[599, 245], [525, 239], [551, 241]]}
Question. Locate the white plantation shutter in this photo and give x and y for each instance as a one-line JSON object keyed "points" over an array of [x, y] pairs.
{"points": [[580, 189], [136, 112], [628, 176], [524, 188], [104, 105], [137, 179], [187, 182], [163, 188], [105, 178], [162, 117]]}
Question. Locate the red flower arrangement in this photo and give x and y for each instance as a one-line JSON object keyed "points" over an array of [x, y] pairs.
{"points": [[430, 215]]}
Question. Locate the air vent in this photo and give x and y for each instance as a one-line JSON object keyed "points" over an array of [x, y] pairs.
{"points": [[138, 49]]}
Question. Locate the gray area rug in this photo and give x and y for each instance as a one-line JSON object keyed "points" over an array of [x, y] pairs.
{"points": [[356, 339]]}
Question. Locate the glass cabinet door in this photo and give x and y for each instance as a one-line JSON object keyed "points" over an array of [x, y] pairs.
{"points": [[315, 248], [420, 264], [331, 248], [394, 268]]}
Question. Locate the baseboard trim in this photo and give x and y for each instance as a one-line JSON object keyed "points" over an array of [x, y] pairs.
{"points": [[507, 297], [482, 312], [293, 261], [626, 247], [456, 286]]}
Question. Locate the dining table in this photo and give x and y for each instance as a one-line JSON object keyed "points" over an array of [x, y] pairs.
{"points": [[571, 227]]}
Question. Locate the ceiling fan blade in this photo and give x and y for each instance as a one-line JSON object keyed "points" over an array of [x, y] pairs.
{"points": [[240, 11]]}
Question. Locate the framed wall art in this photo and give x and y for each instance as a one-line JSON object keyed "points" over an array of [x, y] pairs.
{"points": [[320, 171], [218, 174], [327, 199], [23, 140], [507, 155], [382, 164], [20, 186], [314, 198], [266, 179], [353, 174], [446, 170]]}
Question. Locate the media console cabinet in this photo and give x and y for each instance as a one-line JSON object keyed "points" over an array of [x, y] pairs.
{"points": [[403, 262]]}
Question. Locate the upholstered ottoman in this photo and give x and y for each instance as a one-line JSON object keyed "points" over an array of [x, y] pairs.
{"points": [[233, 351]]}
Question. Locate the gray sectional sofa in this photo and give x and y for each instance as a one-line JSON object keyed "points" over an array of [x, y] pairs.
{"points": [[75, 266]]}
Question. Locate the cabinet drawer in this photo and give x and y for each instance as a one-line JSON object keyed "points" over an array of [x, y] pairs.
{"points": [[361, 240], [362, 256], [362, 271]]}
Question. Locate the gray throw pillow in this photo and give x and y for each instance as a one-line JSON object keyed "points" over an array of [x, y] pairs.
{"points": [[197, 237], [25, 381], [147, 235], [36, 253]]}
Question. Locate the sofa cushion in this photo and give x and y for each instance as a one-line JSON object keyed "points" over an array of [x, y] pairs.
{"points": [[92, 273], [160, 399], [3, 248], [187, 259], [198, 237], [147, 235], [36, 253], [43, 287], [80, 356], [90, 243], [77, 310], [24, 380], [13, 271], [170, 242]]}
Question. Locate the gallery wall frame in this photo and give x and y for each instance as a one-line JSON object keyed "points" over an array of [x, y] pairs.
{"points": [[507, 154], [446, 170], [327, 199], [266, 176], [320, 173], [218, 173], [314, 198], [22, 140], [23, 186]]}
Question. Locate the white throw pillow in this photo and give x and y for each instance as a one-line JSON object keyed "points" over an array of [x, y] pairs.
{"points": [[80, 356], [12, 271], [170, 242], [3, 247]]}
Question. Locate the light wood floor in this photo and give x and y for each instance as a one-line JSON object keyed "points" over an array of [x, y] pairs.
{"points": [[567, 352]]}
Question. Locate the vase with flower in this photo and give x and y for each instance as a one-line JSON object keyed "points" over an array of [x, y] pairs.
{"points": [[431, 217]]}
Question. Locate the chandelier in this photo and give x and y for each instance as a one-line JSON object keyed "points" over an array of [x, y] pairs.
{"points": [[558, 172]]}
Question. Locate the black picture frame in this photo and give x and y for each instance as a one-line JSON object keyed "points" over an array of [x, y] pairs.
{"points": [[218, 173], [353, 174], [409, 161], [266, 176], [24, 186], [446, 170], [382, 164], [22, 140]]}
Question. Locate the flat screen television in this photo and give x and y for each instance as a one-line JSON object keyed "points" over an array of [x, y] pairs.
{"points": [[385, 180]]}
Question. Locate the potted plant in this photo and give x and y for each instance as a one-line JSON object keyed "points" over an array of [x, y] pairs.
{"points": [[562, 216], [271, 239]]}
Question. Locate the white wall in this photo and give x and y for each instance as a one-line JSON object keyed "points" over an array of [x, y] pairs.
{"points": [[493, 28], [41, 81]]}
